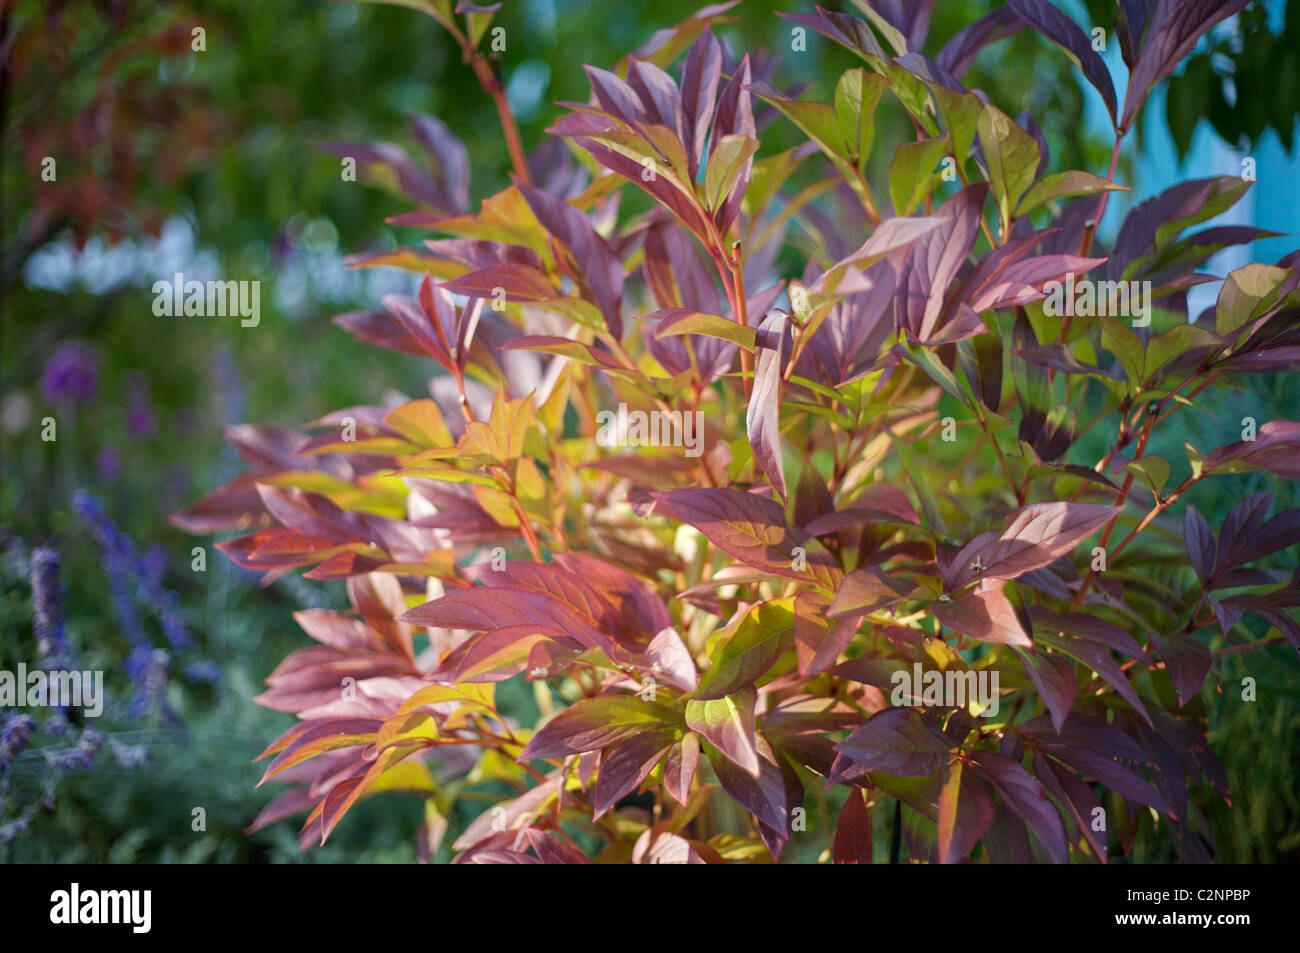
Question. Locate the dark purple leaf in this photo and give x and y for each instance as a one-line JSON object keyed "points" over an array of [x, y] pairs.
{"points": [[1024, 795], [1173, 33], [897, 741], [1065, 33]]}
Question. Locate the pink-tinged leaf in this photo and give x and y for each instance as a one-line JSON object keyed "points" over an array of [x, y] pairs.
{"points": [[1024, 795], [421, 327], [1023, 281], [818, 641], [658, 93], [509, 815], [483, 609], [551, 849], [763, 415], [734, 116], [852, 843], [878, 503], [668, 657], [1034, 537], [658, 845], [897, 741], [625, 765], [1187, 661], [1054, 678], [770, 793], [933, 262], [597, 723], [753, 530], [1079, 799], [984, 613], [700, 75], [680, 765], [728, 724], [505, 652], [867, 590], [965, 813]]}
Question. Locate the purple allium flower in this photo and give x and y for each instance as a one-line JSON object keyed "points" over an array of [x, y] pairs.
{"points": [[71, 376], [108, 464], [47, 602]]}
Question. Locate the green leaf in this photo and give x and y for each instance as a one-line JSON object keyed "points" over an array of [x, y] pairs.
{"points": [[728, 724], [1153, 471], [856, 97], [726, 162], [1064, 185], [1246, 294], [1168, 346], [961, 115], [710, 325], [912, 174], [748, 647], [1012, 156], [1125, 345]]}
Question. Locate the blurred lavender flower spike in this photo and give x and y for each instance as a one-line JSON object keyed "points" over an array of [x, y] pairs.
{"points": [[14, 735], [127, 572], [204, 670], [47, 602], [81, 755], [71, 376]]}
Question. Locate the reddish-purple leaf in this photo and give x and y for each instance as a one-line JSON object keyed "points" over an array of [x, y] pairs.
{"points": [[625, 765], [597, 723], [896, 741], [1054, 678], [679, 767], [700, 75], [1034, 537], [852, 844], [753, 530], [1187, 661], [965, 812], [1024, 795], [984, 613]]}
